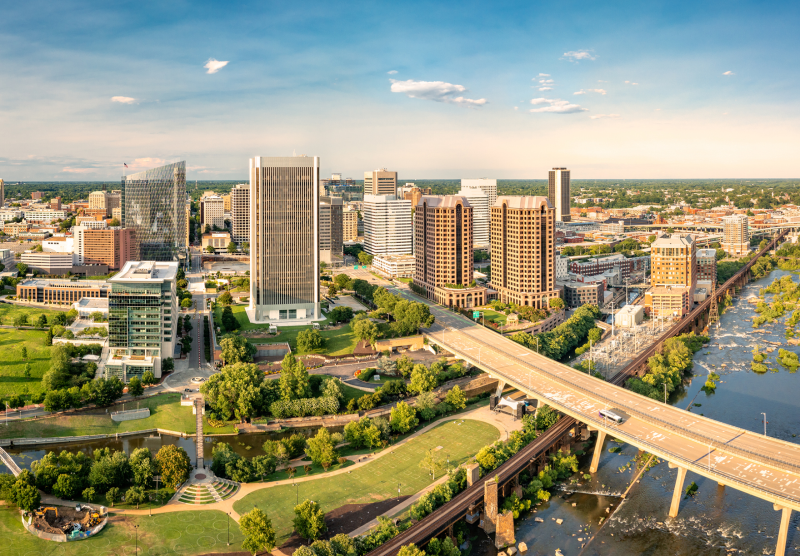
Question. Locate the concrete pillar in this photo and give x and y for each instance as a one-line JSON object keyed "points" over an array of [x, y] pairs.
{"points": [[489, 505], [500, 386], [678, 492], [473, 473], [505, 530], [783, 532], [598, 449]]}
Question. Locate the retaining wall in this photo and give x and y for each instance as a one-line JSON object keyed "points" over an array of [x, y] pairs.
{"points": [[131, 414], [6, 442]]}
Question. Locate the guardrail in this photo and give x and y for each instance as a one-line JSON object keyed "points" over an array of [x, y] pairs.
{"points": [[9, 462]]}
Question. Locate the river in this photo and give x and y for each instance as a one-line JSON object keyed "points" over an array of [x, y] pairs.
{"points": [[717, 520]]}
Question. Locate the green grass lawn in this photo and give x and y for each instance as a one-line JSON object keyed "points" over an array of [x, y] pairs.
{"points": [[165, 413], [8, 312], [12, 366], [185, 533], [493, 316], [377, 480]]}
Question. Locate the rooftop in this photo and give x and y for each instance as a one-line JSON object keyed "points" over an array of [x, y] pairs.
{"points": [[44, 282], [146, 271], [93, 303], [443, 201], [675, 240], [523, 201]]}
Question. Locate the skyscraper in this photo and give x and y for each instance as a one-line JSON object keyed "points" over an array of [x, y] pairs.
{"points": [[443, 251], [212, 211], [735, 235], [558, 193], [349, 225], [2, 193], [154, 204], [240, 213], [284, 239], [387, 225], [330, 229], [380, 182], [479, 202], [523, 250], [673, 275], [487, 185]]}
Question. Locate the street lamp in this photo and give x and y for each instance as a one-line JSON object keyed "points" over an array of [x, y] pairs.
{"points": [[765, 423], [136, 530], [296, 493]]}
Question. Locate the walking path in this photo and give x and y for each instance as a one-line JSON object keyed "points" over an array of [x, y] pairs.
{"points": [[503, 422]]}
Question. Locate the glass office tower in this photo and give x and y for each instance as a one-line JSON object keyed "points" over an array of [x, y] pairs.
{"points": [[154, 204]]}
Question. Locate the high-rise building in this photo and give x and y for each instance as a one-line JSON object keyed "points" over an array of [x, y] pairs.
{"points": [[673, 275], [97, 200], [479, 202], [113, 247], [444, 265], [284, 239], [142, 318], [387, 225], [523, 250], [153, 203], [226, 203], [487, 185], [735, 235], [36, 195], [330, 229], [349, 225], [113, 200], [706, 268], [55, 203], [212, 212], [558, 193], [2, 193], [240, 213], [380, 182]]}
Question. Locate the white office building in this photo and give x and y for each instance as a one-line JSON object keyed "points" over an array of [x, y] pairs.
{"points": [[212, 211], [562, 267], [735, 235], [388, 229], [481, 224], [487, 185]]}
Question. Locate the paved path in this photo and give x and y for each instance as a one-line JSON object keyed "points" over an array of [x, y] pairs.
{"points": [[503, 422]]}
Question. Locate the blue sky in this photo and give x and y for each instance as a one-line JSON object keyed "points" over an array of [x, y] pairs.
{"points": [[432, 90]]}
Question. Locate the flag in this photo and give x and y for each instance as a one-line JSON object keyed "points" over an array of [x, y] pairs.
{"points": [[125, 165]]}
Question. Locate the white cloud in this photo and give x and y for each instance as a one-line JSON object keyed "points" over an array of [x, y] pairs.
{"points": [[543, 75], [584, 91], [545, 88], [70, 170], [123, 100], [391, 72], [213, 66], [598, 116], [438, 91], [575, 55], [145, 163], [631, 83], [557, 106], [728, 73]]}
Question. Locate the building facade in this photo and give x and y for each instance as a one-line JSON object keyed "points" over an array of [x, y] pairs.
{"points": [[212, 212], [142, 319], [599, 265], [387, 225], [380, 182], [523, 250], [558, 184], [395, 266], [706, 267], [60, 292], [240, 214], [284, 241], [330, 230], [735, 235], [113, 246], [349, 225], [479, 202], [443, 253], [487, 185], [216, 240], [673, 275], [45, 215], [48, 262], [153, 204], [2, 193]]}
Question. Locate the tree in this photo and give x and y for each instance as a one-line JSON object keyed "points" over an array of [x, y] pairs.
{"points": [[142, 466], [135, 387], [423, 379], [58, 376], [21, 320], [209, 248], [426, 405], [365, 330], [456, 398], [89, 494], [246, 247], [186, 303], [362, 433], [403, 418], [135, 495], [71, 315], [410, 316], [340, 314], [186, 344], [22, 268], [236, 391], [294, 383], [112, 495], [148, 378], [27, 372], [332, 290], [410, 550], [174, 465], [405, 365], [332, 387], [106, 391], [341, 280], [225, 298], [66, 486], [309, 340], [48, 339], [320, 448], [59, 319], [309, 520], [26, 496], [431, 463], [556, 303], [259, 536], [41, 322], [232, 247], [236, 349], [114, 222]]}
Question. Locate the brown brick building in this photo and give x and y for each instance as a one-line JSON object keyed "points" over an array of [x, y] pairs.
{"points": [[112, 247], [61, 292], [673, 275], [523, 250], [443, 250]]}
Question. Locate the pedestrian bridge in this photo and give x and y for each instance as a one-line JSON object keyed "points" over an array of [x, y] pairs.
{"points": [[753, 463]]}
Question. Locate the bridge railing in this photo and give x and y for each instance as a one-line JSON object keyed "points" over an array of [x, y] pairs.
{"points": [[9, 462]]}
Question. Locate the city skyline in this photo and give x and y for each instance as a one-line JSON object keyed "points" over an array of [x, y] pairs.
{"points": [[639, 91]]}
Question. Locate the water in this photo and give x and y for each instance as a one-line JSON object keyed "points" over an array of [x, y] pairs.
{"points": [[247, 445], [717, 520]]}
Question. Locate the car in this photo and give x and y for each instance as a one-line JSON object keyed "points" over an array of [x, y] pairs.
{"points": [[188, 390]]}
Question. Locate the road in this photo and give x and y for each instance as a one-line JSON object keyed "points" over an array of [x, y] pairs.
{"points": [[765, 467]]}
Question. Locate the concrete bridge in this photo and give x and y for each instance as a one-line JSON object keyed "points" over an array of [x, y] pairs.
{"points": [[10, 463]]}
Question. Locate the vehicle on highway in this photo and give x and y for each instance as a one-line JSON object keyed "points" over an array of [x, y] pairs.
{"points": [[605, 413]]}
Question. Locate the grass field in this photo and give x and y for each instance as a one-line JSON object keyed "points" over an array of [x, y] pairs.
{"points": [[12, 366], [494, 316], [377, 480], [8, 312], [165, 413], [184, 533]]}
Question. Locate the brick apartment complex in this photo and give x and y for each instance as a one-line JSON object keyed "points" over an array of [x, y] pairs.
{"points": [[707, 266], [113, 247], [523, 257], [593, 267], [673, 275], [443, 250]]}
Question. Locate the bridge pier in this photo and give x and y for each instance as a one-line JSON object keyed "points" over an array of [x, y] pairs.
{"points": [[678, 492], [489, 505], [783, 532], [598, 449]]}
